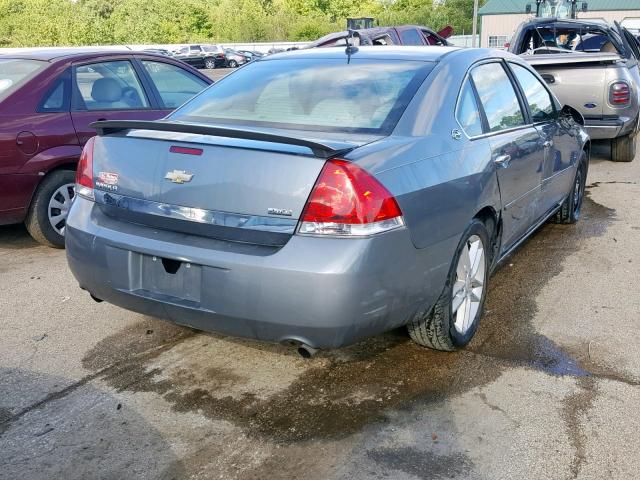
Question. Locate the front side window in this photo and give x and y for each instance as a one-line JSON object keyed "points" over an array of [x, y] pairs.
{"points": [[538, 98], [467, 112], [174, 84], [311, 94], [497, 96], [109, 86], [411, 37]]}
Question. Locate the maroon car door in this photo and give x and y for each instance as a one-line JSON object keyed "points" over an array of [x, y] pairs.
{"points": [[109, 90]]}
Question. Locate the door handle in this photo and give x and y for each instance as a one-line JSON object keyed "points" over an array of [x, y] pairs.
{"points": [[502, 160], [548, 144]]}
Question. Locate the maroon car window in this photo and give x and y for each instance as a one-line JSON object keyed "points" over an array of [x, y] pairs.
{"points": [[110, 86], [174, 84], [15, 72], [411, 37], [57, 98]]}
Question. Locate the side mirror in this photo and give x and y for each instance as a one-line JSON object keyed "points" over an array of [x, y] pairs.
{"points": [[570, 113]]}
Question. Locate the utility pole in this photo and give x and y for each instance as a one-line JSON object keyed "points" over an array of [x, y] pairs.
{"points": [[474, 30]]}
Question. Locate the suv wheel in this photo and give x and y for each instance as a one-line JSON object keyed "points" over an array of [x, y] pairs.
{"points": [[623, 149], [47, 217], [453, 320], [210, 63]]}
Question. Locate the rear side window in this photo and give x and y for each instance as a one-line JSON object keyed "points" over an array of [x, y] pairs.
{"points": [[16, 72], [498, 97], [538, 98], [109, 86], [174, 84], [467, 112], [58, 97], [324, 94]]}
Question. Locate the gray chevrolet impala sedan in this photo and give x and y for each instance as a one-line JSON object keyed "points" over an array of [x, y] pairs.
{"points": [[320, 196]]}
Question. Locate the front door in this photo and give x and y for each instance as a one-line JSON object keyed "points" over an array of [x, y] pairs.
{"points": [[516, 149]]}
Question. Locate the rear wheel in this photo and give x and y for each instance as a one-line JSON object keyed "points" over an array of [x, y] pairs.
{"points": [[233, 63], [47, 217], [623, 149], [570, 210], [210, 63], [453, 320]]}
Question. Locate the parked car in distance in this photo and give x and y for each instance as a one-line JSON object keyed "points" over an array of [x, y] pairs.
{"points": [[251, 54], [48, 98], [202, 56], [592, 66], [344, 194], [234, 59], [160, 51], [400, 35]]}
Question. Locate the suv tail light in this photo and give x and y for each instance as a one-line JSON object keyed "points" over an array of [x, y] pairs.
{"points": [[84, 173], [348, 201], [619, 94]]}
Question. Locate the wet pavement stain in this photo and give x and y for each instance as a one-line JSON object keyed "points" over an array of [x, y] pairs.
{"points": [[346, 390], [574, 407], [506, 329], [422, 464], [5, 415]]}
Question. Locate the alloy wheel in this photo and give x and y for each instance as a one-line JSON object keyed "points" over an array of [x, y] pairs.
{"points": [[210, 64], [469, 284], [59, 205]]}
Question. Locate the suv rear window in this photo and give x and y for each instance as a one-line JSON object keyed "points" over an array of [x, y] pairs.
{"points": [[15, 72], [311, 94]]}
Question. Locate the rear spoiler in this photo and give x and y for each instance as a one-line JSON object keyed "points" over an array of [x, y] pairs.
{"points": [[320, 150]]}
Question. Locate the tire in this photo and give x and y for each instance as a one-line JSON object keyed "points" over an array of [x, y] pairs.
{"points": [[623, 149], [570, 210], [440, 327], [210, 63], [53, 196], [233, 64]]}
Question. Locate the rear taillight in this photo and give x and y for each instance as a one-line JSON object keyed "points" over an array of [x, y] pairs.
{"points": [[348, 201], [84, 173], [619, 94]]}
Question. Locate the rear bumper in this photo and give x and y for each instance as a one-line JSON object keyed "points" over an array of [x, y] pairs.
{"points": [[610, 127], [323, 292]]}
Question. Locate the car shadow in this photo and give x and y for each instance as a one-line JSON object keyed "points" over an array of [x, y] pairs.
{"points": [[16, 237]]}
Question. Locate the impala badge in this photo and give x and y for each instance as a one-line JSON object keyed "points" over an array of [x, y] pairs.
{"points": [[179, 176]]}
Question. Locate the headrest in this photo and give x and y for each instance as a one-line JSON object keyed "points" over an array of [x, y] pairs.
{"points": [[106, 90]]}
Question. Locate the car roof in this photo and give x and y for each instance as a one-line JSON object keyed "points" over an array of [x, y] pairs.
{"points": [[567, 22], [387, 52], [55, 54]]}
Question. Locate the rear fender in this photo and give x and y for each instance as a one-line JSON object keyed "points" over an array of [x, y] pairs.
{"points": [[53, 158]]}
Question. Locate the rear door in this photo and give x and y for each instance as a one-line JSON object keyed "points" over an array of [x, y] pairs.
{"points": [[109, 90], [516, 148]]}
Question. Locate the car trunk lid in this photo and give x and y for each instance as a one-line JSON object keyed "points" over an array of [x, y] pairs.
{"points": [[249, 189]]}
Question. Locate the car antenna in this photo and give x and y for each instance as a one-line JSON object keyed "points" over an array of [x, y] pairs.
{"points": [[351, 49]]}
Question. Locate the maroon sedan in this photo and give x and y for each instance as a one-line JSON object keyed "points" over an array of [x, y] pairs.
{"points": [[48, 98]]}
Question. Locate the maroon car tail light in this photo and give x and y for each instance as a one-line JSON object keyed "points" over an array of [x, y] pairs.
{"points": [[348, 201], [619, 94], [185, 150], [84, 173]]}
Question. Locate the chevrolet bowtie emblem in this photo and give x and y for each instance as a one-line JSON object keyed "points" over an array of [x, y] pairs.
{"points": [[179, 176]]}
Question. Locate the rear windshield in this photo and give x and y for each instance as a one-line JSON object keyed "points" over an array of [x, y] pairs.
{"points": [[360, 96], [15, 72]]}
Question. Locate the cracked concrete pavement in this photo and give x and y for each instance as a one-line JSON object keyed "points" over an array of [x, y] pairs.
{"points": [[549, 388]]}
